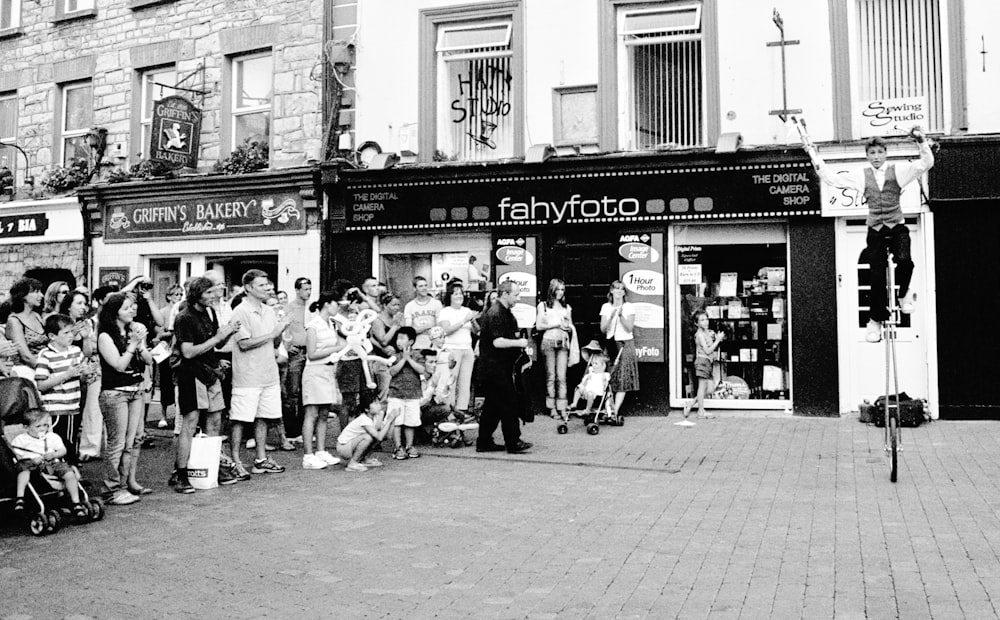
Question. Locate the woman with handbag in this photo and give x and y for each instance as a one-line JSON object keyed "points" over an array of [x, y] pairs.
{"points": [[121, 343], [555, 321], [617, 322]]}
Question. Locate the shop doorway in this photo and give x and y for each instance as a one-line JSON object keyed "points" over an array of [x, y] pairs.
{"points": [[164, 272], [588, 265], [48, 276], [862, 364], [232, 268]]}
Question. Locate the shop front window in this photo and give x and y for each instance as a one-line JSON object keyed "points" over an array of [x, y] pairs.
{"points": [[741, 283]]}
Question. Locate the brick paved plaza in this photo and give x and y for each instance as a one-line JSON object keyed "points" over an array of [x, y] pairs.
{"points": [[749, 517]]}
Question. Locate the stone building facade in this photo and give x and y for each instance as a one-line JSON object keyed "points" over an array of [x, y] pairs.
{"points": [[111, 46]]}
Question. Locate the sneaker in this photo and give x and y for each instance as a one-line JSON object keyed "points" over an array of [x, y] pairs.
{"points": [[371, 461], [356, 467], [907, 302], [239, 472], [80, 510], [411, 453], [121, 497], [313, 461], [327, 458], [251, 444], [162, 424], [266, 466], [297, 440], [173, 479], [708, 415], [399, 454], [874, 332], [19, 505], [226, 476], [183, 485]]}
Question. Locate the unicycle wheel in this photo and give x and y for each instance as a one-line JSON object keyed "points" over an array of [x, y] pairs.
{"points": [[893, 448]]}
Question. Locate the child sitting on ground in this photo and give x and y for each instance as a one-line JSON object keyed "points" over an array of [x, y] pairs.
{"points": [[439, 388], [594, 382], [57, 374], [38, 448], [405, 393], [369, 427]]}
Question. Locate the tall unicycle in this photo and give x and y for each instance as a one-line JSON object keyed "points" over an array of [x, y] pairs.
{"points": [[891, 405]]}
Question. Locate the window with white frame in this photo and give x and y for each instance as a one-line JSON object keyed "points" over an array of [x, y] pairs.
{"points": [[72, 6], [10, 14], [8, 131], [900, 53], [476, 114], [155, 85], [77, 119], [661, 75], [251, 98]]}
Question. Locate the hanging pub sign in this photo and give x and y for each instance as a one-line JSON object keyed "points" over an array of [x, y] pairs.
{"points": [[176, 129]]}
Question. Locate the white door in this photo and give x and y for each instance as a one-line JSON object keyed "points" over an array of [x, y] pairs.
{"points": [[863, 364]]}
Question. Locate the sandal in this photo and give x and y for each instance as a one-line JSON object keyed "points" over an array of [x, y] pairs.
{"points": [[140, 490]]}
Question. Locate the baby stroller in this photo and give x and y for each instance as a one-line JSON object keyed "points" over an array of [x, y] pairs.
{"points": [[46, 500], [447, 427], [604, 411]]}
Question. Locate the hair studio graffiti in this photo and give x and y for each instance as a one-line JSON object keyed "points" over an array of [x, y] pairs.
{"points": [[481, 107]]}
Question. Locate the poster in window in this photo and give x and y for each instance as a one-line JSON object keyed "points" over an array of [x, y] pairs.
{"points": [[641, 271]]}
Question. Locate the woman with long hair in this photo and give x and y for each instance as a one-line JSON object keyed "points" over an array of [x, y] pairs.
{"points": [[54, 296], [319, 381], [383, 335], [24, 325], [555, 321], [90, 429], [121, 343], [459, 323], [617, 323]]}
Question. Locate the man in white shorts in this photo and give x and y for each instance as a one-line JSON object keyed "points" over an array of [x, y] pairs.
{"points": [[256, 383]]}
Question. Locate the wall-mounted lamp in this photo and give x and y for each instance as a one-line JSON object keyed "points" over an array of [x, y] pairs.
{"points": [[28, 180], [383, 161], [538, 153], [97, 140], [729, 142]]}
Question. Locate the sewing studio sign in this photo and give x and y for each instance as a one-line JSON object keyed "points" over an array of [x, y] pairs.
{"points": [[176, 129]]}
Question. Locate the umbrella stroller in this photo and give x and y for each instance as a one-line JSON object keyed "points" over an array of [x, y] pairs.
{"points": [[47, 502], [594, 388]]}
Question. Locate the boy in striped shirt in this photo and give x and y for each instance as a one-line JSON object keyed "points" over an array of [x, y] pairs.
{"points": [[57, 375]]}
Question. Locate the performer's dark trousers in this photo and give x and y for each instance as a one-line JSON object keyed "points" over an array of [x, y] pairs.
{"points": [[897, 241], [499, 408]]}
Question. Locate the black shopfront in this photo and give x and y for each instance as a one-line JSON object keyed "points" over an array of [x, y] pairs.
{"points": [[964, 193], [737, 234]]}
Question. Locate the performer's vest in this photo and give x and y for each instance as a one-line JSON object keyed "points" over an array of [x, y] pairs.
{"points": [[883, 205]]}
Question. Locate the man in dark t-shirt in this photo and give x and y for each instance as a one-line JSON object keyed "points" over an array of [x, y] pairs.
{"points": [[499, 347], [198, 374]]}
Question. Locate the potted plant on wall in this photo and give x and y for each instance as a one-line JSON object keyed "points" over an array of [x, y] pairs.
{"points": [[251, 156]]}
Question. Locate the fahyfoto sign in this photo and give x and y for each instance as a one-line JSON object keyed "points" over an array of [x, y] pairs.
{"points": [[422, 199]]}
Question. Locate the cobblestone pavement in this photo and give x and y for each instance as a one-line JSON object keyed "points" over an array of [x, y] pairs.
{"points": [[739, 517]]}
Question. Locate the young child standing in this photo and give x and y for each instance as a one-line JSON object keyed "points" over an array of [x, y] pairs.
{"points": [[706, 353], [38, 448], [369, 427], [57, 375], [404, 393]]}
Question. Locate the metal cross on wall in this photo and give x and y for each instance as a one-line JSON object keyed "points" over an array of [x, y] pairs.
{"points": [[784, 112]]}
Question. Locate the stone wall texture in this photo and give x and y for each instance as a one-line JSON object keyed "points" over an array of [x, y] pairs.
{"points": [[18, 258], [119, 42]]}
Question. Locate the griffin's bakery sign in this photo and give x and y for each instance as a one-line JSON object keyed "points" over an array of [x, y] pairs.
{"points": [[176, 129], [210, 216]]}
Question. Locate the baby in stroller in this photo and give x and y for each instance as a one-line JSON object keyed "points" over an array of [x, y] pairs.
{"points": [[443, 424], [32, 471], [39, 449], [594, 382]]}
